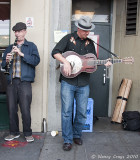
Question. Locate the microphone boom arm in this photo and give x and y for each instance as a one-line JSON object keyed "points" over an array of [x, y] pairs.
{"points": [[106, 50]]}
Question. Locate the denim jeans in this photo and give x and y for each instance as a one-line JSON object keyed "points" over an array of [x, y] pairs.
{"points": [[19, 93], [68, 93]]}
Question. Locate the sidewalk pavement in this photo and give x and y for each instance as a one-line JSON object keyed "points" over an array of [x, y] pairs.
{"points": [[107, 141], [19, 149]]}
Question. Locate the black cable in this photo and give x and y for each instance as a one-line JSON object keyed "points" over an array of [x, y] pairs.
{"points": [[106, 50]]}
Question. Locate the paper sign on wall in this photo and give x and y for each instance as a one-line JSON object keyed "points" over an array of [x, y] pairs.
{"points": [[29, 22], [95, 38], [58, 35]]}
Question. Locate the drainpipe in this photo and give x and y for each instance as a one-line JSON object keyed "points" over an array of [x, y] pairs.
{"points": [[44, 125]]}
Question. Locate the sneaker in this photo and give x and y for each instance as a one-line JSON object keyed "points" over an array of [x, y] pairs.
{"points": [[29, 138], [11, 137]]}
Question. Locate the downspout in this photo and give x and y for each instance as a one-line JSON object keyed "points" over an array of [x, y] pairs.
{"points": [[112, 50], [45, 64]]}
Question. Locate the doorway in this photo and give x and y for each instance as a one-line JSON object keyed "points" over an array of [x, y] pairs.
{"points": [[4, 42], [100, 12]]}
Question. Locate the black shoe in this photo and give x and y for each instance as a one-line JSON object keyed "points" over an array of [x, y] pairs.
{"points": [[78, 141], [67, 146]]}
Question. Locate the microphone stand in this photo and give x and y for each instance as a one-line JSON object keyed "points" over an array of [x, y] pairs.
{"points": [[107, 50]]}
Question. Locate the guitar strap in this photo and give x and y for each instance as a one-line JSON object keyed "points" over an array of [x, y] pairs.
{"points": [[106, 50]]}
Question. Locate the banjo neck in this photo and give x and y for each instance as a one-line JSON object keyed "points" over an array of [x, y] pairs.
{"points": [[102, 62]]}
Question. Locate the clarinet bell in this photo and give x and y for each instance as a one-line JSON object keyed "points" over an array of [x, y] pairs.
{"points": [[7, 70]]}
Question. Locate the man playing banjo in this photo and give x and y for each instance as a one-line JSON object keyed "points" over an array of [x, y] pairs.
{"points": [[74, 88]]}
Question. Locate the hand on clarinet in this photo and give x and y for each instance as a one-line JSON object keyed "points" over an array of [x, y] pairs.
{"points": [[8, 57], [17, 50]]}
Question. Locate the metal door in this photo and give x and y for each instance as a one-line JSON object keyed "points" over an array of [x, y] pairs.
{"points": [[99, 83]]}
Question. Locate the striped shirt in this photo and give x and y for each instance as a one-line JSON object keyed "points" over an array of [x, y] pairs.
{"points": [[17, 64]]}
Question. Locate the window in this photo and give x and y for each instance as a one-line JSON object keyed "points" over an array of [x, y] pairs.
{"points": [[131, 17], [4, 25], [97, 10]]}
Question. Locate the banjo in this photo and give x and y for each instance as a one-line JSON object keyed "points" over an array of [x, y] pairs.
{"points": [[87, 63]]}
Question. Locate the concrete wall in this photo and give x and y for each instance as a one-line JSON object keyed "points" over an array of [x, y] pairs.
{"points": [[39, 34], [126, 46], [49, 16], [60, 19]]}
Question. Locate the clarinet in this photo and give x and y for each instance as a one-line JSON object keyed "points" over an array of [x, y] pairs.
{"points": [[9, 63]]}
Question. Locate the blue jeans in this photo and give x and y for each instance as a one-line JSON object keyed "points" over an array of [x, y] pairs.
{"points": [[68, 93]]}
